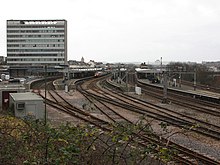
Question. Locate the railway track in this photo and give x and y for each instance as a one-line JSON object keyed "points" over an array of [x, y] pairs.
{"points": [[100, 105], [59, 103], [128, 106], [167, 115], [192, 103], [104, 103], [40, 84], [200, 86]]}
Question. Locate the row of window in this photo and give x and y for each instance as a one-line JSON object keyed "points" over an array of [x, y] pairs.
{"points": [[34, 65], [35, 40], [39, 59], [35, 31], [35, 36], [37, 26], [35, 45], [36, 55], [35, 50]]}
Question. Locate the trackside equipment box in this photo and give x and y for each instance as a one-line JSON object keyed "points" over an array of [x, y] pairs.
{"points": [[27, 105]]}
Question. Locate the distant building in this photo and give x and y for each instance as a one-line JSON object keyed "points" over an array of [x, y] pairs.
{"points": [[92, 63], [82, 60], [144, 66], [33, 44], [73, 62], [2, 60], [213, 66], [77, 64]]}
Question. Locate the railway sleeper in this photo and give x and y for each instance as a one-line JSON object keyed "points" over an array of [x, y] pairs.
{"points": [[188, 158]]}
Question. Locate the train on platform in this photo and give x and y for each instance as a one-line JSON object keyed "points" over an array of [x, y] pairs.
{"points": [[153, 79], [100, 73]]}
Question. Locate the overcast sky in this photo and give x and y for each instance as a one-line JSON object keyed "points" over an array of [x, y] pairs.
{"points": [[128, 30]]}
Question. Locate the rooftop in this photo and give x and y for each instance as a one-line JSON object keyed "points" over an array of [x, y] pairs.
{"points": [[25, 96]]}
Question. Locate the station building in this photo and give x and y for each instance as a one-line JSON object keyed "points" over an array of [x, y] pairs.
{"points": [[34, 44]]}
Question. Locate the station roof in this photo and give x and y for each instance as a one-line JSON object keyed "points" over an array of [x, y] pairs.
{"points": [[7, 86], [149, 70], [77, 70], [25, 96]]}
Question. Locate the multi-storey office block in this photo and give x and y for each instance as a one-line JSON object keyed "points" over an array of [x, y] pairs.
{"points": [[33, 44]]}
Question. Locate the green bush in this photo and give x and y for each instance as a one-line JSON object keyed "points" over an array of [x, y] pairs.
{"points": [[33, 142]]}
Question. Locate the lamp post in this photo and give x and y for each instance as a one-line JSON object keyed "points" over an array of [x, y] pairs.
{"points": [[194, 83], [45, 94], [165, 99]]}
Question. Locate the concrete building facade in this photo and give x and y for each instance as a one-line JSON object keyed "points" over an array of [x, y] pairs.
{"points": [[33, 44]]}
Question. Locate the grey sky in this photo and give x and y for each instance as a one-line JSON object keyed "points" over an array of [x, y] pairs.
{"points": [[128, 30]]}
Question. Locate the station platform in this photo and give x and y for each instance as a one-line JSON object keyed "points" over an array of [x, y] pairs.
{"points": [[60, 83], [185, 89]]}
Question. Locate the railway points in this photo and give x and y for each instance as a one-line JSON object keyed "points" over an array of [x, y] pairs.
{"points": [[128, 106], [73, 81]]}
